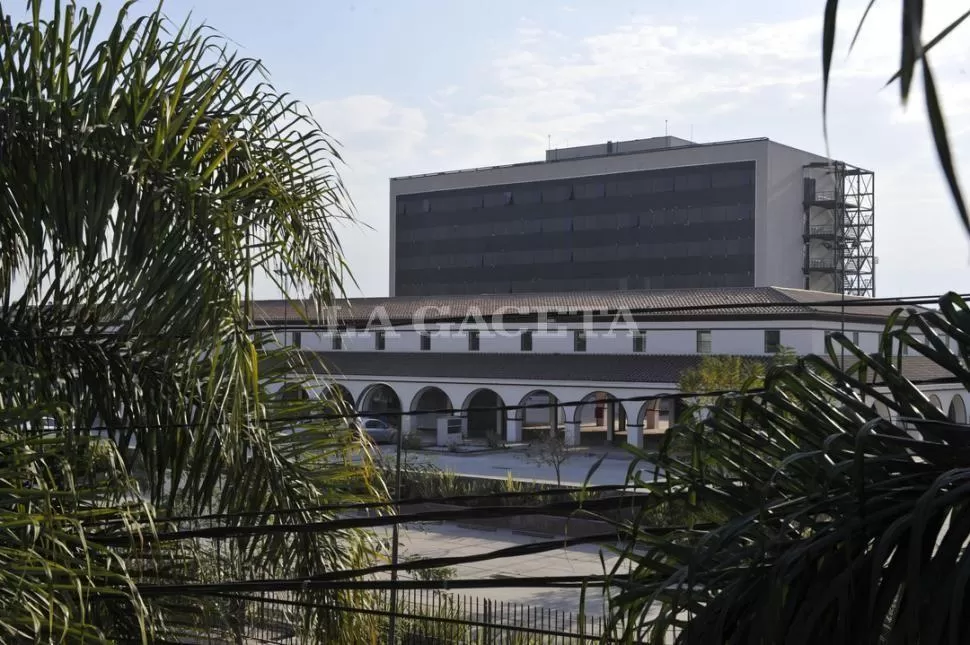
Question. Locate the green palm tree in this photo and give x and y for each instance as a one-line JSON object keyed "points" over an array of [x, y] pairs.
{"points": [[147, 173], [838, 492], [843, 500]]}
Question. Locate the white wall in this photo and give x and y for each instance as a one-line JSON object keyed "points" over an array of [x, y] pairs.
{"points": [[739, 337], [779, 248]]}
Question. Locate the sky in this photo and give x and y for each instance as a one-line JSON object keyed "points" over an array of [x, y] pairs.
{"points": [[415, 86]]}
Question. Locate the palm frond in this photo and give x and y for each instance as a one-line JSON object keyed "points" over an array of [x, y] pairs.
{"points": [[837, 524], [146, 173]]}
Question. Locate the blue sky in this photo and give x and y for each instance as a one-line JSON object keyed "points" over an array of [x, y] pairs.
{"points": [[411, 86]]}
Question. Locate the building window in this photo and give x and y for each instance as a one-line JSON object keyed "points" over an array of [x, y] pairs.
{"points": [[426, 205], [639, 341], [579, 340], [337, 341], [855, 338], [297, 340], [425, 341], [772, 341], [473, 341], [525, 341], [379, 340], [703, 341]]}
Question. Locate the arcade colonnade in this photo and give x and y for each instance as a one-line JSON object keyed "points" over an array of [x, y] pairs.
{"points": [[516, 412], [580, 412]]}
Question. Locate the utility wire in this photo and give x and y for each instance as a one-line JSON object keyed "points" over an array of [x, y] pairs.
{"points": [[529, 312], [546, 582], [479, 512], [328, 416], [898, 301], [361, 506]]}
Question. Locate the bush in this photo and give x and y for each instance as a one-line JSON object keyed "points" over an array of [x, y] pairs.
{"points": [[494, 440], [411, 441]]}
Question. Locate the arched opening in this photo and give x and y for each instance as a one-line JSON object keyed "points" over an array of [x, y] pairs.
{"points": [[485, 413], [339, 397], [425, 403], [958, 410], [935, 400], [294, 391], [602, 420], [380, 401], [542, 413], [656, 416]]}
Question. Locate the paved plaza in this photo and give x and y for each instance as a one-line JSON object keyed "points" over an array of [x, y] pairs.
{"points": [[612, 470], [446, 540]]}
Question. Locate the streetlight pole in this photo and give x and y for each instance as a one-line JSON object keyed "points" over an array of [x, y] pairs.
{"points": [[395, 536]]}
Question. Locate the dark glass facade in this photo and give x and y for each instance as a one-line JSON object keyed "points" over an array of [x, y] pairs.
{"points": [[661, 229]]}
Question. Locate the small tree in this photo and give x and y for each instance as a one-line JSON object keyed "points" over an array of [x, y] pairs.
{"points": [[731, 373], [549, 450], [721, 373]]}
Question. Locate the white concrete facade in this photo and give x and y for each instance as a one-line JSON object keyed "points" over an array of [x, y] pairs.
{"points": [[613, 383], [743, 338], [574, 401]]}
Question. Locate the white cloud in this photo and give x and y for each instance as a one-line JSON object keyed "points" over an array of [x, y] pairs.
{"points": [[376, 136], [372, 129], [721, 80]]}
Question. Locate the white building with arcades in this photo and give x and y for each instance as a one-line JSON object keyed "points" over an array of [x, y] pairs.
{"points": [[574, 359]]}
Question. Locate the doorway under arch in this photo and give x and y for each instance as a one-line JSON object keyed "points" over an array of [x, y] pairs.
{"points": [[657, 415], [601, 419], [425, 404], [485, 414], [958, 410], [339, 397], [380, 401], [542, 413]]}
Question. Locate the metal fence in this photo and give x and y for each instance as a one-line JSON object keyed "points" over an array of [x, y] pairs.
{"points": [[426, 617]]}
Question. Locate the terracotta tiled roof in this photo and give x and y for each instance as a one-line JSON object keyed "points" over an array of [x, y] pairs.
{"points": [[686, 304]]}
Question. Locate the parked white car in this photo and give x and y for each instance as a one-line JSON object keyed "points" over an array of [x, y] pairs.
{"points": [[379, 431]]}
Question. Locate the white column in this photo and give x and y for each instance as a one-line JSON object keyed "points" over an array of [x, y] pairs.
{"points": [[407, 424], [572, 433], [634, 434], [513, 430]]}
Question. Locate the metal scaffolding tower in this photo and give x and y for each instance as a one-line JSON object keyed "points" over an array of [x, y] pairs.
{"points": [[839, 233]]}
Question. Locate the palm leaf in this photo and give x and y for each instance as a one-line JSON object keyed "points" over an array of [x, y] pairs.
{"points": [[146, 173], [839, 525]]}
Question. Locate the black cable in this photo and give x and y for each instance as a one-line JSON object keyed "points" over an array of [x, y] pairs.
{"points": [[439, 562], [897, 301], [344, 523], [360, 506], [548, 582], [499, 408]]}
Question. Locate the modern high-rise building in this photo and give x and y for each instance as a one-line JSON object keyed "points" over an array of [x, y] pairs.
{"points": [[658, 213]]}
